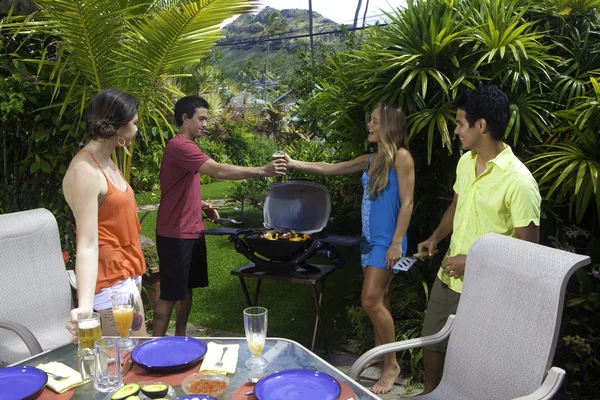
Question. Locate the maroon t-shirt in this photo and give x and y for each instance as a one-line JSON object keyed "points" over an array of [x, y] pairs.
{"points": [[180, 210]]}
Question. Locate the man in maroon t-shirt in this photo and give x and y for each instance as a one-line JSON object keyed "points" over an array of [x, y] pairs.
{"points": [[179, 226]]}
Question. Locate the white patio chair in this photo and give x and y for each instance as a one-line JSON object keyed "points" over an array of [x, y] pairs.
{"points": [[35, 296], [504, 334]]}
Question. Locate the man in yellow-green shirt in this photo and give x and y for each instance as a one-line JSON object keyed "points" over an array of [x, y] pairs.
{"points": [[493, 192]]}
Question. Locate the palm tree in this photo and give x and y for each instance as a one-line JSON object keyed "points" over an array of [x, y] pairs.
{"points": [[134, 45]]}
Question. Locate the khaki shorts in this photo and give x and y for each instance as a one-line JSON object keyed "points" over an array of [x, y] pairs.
{"points": [[443, 302]]}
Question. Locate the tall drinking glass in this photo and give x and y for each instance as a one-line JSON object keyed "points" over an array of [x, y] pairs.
{"points": [[255, 324], [122, 308], [88, 330]]}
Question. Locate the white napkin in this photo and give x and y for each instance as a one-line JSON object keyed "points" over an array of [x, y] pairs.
{"points": [[213, 355], [60, 369]]}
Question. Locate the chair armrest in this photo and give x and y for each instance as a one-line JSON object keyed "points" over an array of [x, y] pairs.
{"points": [[549, 387], [72, 278], [442, 335], [25, 334]]}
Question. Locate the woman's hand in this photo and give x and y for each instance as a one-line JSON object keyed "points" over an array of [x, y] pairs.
{"points": [[71, 325], [393, 254], [289, 161]]}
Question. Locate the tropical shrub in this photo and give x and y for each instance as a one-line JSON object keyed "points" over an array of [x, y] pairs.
{"points": [[543, 54], [138, 47], [246, 148]]}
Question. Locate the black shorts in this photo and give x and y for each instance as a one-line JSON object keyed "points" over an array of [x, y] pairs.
{"points": [[183, 265]]}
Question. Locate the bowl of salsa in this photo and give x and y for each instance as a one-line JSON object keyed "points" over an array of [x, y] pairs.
{"points": [[210, 384]]}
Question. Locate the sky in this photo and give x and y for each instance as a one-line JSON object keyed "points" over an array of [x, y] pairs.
{"points": [[340, 11]]}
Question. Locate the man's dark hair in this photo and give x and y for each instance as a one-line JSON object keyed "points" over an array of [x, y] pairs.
{"points": [[109, 110], [188, 105], [487, 102]]}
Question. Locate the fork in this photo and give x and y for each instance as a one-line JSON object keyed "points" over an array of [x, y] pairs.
{"points": [[220, 362], [56, 377]]}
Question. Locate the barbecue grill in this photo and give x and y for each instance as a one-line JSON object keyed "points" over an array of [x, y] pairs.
{"points": [[295, 214]]}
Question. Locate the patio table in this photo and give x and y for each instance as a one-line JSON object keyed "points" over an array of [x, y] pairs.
{"points": [[282, 354]]}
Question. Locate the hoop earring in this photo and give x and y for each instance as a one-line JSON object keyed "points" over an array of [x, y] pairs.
{"points": [[125, 149]]}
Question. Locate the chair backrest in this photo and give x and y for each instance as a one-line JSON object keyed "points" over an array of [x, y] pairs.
{"points": [[34, 288], [506, 328]]}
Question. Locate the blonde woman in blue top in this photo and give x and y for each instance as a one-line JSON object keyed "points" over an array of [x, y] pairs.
{"points": [[388, 180]]}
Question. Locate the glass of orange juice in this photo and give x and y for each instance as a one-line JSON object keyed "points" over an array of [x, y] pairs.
{"points": [[122, 308], [255, 325]]}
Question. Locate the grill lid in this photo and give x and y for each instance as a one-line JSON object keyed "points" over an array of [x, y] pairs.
{"points": [[300, 205]]}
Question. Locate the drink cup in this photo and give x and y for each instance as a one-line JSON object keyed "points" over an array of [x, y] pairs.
{"points": [[88, 330], [122, 309], [277, 154], [255, 325], [106, 366]]}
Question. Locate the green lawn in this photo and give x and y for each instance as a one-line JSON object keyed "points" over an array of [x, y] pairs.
{"points": [[291, 307], [215, 190]]}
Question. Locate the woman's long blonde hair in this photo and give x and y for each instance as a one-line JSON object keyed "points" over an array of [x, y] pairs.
{"points": [[392, 131]]}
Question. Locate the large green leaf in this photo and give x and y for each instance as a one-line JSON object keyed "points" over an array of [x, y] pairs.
{"points": [[136, 46]]}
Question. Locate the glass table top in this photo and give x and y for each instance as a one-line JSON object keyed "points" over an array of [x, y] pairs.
{"points": [[282, 354]]}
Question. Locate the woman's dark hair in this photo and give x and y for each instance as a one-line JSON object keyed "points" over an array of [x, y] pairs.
{"points": [[487, 102], [188, 105], [109, 110]]}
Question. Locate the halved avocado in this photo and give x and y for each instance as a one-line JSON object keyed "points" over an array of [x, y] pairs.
{"points": [[126, 391], [136, 397], [155, 390]]}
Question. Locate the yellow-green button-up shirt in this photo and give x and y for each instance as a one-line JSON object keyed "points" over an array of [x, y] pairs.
{"points": [[504, 197]]}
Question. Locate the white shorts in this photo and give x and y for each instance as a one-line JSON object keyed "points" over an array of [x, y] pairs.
{"points": [[129, 285]]}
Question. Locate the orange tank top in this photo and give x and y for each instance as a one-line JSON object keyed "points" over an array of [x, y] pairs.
{"points": [[119, 251]]}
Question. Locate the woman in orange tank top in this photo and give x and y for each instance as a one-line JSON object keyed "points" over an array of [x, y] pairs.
{"points": [[109, 255]]}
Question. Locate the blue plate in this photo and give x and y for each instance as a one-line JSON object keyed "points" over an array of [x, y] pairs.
{"points": [[169, 353], [296, 384], [195, 397], [21, 382]]}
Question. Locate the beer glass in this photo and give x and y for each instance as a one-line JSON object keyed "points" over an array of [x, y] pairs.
{"points": [[88, 330], [106, 366], [255, 325], [122, 308], [277, 154]]}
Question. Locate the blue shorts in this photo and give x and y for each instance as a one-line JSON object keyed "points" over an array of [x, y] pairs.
{"points": [[374, 254]]}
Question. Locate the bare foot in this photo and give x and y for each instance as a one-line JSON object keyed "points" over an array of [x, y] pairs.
{"points": [[386, 381], [375, 361]]}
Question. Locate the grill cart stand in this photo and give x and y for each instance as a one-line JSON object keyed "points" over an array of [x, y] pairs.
{"points": [[312, 278]]}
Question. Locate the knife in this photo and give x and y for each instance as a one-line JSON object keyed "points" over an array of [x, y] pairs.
{"points": [[127, 365]]}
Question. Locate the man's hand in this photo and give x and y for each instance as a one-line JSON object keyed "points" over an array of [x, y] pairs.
{"points": [[428, 246], [277, 167], [211, 213], [455, 266], [393, 254]]}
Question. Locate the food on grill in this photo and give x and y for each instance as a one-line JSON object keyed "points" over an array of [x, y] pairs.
{"points": [[288, 234]]}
